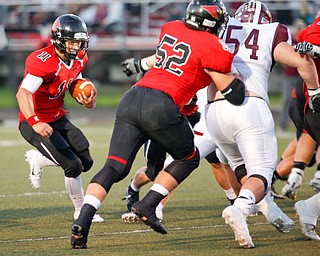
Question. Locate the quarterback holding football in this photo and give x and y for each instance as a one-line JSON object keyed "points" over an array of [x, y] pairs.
{"points": [[48, 74]]}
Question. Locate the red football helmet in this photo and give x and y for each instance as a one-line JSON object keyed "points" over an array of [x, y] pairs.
{"points": [[254, 12]]}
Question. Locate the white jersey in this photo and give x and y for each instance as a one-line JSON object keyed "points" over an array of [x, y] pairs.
{"points": [[252, 45], [245, 134]]}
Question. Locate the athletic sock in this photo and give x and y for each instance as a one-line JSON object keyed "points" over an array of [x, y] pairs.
{"points": [[75, 190]]}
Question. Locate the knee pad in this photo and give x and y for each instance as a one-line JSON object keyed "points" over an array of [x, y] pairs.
{"points": [[106, 177], [181, 169], [112, 172], [87, 162], [264, 180], [74, 168], [212, 158], [87, 165], [240, 172]]}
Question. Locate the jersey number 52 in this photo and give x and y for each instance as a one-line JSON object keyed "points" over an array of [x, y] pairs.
{"points": [[172, 55]]}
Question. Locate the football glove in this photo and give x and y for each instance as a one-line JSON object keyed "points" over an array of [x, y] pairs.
{"points": [[308, 49], [293, 183], [314, 103], [132, 66]]}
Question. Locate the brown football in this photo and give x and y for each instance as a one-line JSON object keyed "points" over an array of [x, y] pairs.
{"points": [[81, 85]]}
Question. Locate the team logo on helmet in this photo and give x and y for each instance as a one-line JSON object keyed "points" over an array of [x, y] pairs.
{"points": [[56, 25], [215, 11]]}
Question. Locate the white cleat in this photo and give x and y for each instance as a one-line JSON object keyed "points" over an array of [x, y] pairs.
{"points": [[236, 220], [307, 229], [96, 218], [130, 217], [274, 214], [254, 211], [283, 224], [36, 170], [315, 184]]}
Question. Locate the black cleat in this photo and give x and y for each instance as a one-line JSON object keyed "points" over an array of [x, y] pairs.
{"points": [[79, 237], [131, 197], [148, 216]]}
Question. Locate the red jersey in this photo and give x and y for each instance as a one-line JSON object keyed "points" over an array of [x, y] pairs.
{"points": [[57, 76], [182, 55], [311, 34]]}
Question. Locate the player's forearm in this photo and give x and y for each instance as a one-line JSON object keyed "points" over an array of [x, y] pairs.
{"points": [[286, 55], [309, 74], [24, 99]]}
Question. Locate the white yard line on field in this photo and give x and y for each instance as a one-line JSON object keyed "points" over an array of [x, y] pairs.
{"points": [[35, 194], [107, 234]]}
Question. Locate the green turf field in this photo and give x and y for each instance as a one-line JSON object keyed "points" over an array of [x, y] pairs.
{"points": [[38, 222]]}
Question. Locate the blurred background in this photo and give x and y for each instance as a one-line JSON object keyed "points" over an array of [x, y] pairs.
{"points": [[118, 30]]}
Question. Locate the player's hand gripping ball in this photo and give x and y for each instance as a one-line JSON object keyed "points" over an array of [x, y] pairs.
{"points": [[82, 85]]}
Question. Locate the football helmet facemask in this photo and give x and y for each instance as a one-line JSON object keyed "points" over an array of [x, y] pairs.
{"points": [[69, 27], [254, 12], [207, 15]]}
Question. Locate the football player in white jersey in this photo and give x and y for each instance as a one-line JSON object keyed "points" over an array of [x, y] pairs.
{"points": [[246, 134]]}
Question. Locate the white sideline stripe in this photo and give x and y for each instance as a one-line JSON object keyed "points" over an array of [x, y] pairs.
{"points": [[35, 194], [125, 233]]}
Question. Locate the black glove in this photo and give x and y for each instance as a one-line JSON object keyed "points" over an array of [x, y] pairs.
{"points": [[194, 118], [314, 103], [132, 66]]}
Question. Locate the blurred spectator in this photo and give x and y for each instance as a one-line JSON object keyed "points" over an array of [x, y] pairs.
{"points": [[306, 12], [290, 76], [88, 14], [175, 11], [284, 16], [113, 22]]}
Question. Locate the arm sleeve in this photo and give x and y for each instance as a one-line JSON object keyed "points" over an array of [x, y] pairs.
{"points": [[31, 83]]}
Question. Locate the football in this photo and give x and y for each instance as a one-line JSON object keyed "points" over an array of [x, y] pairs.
{"points": [[81, 85]]}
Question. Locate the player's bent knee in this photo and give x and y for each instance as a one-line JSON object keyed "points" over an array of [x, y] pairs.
{"points": [[87, 164], [262, 178], [106, 177], [74, 168], [181, 169]]}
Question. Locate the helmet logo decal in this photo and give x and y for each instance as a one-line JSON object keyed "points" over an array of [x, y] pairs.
{"points": [[56, 25], [215, 11]]}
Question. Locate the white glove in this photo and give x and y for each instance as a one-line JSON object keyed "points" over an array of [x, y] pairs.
{"points": [[293, 183]]}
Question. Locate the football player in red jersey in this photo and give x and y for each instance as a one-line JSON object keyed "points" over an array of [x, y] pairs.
{"points": [[309, 210], [42, 121], [189, 57], [309, 44]]}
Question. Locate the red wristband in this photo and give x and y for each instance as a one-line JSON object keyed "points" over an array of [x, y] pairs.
{"points": [[32, 120]]}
